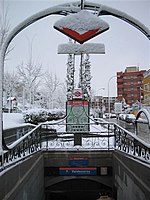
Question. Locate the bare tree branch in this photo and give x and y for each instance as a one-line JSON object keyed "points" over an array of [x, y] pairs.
{"points": [[30, 72], [4, 25]]}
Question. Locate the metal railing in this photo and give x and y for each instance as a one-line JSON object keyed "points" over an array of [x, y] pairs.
{"points": [[53, 136], [131, 144]]}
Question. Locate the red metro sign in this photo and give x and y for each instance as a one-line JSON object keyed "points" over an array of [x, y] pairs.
{"points": [[81, 26]]}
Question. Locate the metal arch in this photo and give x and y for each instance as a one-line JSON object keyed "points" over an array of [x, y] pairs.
{"points": [[105, 10], [58, 10], [147, 114], [74, 7], [63, 9]]}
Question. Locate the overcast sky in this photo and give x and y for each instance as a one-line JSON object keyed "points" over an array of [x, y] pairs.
{"points": [[124, 44]]}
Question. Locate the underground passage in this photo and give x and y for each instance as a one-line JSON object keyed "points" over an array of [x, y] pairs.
{"points": [[77, 188]]}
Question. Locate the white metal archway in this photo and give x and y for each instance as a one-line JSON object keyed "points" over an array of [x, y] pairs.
{"points": [[63, 9]]}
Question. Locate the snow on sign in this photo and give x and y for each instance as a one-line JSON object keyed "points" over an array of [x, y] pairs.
{"points": [[77, 49], [81, 26]]}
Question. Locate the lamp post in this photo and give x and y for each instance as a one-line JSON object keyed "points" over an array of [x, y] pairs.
{"points": [[140, 99], [109, 94]]}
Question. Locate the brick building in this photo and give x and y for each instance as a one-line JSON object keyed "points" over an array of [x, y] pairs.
{"points": [[101, 103], [146, 88], [129, 84]]}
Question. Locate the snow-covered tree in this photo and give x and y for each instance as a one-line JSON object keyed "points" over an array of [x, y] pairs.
{"points": [[86, 77], [29, 74], [51, 83], [61, 96], [70, 75], [10, 86], [4, 24]]}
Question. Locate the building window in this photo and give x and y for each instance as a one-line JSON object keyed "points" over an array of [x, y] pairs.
{"points": [[146, 86]]}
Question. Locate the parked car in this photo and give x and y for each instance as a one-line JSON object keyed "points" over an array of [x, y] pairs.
{"points": [[110, 115], [130, 118], [122, 116]]}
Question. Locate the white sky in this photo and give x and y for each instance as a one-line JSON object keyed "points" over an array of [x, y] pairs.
{"points": [[124, 44]]}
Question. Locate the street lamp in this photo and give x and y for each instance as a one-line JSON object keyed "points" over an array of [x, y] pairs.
{"points": [[99, 90], [109, 94]]}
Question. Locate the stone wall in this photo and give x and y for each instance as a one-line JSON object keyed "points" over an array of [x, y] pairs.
{"points": [[24, 181], [131, 177]]}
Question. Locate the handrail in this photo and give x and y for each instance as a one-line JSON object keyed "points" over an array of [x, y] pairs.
{"points": [[133, 136], [103, 136]]}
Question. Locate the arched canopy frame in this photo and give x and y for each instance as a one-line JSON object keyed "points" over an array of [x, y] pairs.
{"points": [[64, 9], [75, 7], [146, 113]]}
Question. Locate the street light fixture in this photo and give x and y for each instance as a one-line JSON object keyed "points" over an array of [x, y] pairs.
{"points": [[100, 89]]}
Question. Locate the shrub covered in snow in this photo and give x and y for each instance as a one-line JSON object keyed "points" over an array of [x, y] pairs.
{"points": [[36, 116]]}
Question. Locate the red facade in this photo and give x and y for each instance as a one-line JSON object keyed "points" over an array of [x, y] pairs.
{"points": [[129, 84]]}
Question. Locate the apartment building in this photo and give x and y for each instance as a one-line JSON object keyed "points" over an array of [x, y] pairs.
{"points": [[101, 103], [129, 84]]}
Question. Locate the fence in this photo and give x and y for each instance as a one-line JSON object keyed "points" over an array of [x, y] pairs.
{"points": [[53, 136]]}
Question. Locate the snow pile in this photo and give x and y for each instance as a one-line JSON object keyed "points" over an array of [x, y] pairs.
{"points": [[35, 116], [12, 120]]}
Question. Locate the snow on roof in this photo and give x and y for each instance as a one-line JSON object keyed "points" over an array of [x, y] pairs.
{"points": [[87, 48]]}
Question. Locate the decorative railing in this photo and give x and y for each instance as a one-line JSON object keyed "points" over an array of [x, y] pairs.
{"points": [[21, 148], [131, 144], [53, 136], [100, 136]]}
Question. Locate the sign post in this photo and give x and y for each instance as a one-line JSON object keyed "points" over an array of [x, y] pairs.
{"points": [[77, 120], [81, 27]]}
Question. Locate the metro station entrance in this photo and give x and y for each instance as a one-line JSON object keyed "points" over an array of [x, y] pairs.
{"points": [[77, 189]]}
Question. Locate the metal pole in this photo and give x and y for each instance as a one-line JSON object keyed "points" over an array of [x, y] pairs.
{"points": [[2, 56], [100, 102], [81, 72], [1, 99], [82, 4], [109, 94], [140, 99], [108, 98]]}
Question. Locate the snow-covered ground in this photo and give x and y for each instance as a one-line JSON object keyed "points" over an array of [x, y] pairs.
{"points": [[12, 120]]}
